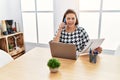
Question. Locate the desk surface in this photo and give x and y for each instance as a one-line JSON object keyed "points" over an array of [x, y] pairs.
{"points": [[33, 66]]}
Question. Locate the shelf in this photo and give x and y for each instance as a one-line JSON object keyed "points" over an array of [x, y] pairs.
{"points": [[4, 36], [15, 52], [9, 42]]}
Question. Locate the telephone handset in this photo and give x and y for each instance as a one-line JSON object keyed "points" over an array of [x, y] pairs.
{"points": [[64, 21]]}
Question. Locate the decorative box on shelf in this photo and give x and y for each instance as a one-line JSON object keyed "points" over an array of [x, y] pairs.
{"points": [[13, 44]]}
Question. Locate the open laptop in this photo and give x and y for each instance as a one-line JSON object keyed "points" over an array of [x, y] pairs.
{"points": [[63, 50], [67, 50]]}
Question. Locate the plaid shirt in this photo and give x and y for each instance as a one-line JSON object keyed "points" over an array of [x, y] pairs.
{"points": [[79, 37]]}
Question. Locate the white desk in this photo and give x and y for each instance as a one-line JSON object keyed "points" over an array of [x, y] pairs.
{"points": [[33, 66]]}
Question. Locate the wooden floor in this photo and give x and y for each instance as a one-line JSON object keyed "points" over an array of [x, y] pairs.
{"points": [[29, 46]]}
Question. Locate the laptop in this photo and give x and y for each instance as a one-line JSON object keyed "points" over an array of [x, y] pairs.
{"points": [[63, 50]]}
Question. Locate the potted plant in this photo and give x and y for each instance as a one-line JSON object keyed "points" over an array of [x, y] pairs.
{"points": [[53, 64]]}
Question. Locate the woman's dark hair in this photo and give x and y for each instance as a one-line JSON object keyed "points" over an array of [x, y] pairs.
{"points": [[70, 11]]}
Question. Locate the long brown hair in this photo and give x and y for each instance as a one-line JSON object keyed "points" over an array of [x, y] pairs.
{"points": [[70, 11]]}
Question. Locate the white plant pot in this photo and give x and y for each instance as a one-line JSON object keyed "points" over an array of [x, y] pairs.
{"points": [[53, 70]]}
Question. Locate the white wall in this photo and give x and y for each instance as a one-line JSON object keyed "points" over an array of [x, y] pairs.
{"points": [[60, 6], [3, 9], [10, 9]]}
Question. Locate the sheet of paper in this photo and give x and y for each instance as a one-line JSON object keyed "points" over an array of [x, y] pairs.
{"points": [[93, 43]]}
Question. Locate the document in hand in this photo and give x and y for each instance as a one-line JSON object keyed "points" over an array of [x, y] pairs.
{"points": [[93, 43]]}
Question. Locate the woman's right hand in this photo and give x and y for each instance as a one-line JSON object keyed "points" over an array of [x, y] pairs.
{"points": [[57, 37], [61, 26]]}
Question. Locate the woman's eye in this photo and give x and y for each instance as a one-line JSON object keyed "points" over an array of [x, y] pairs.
{"points": [[68, 18], [73, 18]]}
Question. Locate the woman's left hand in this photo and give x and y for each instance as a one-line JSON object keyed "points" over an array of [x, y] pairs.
{"points": [[99, 49]]}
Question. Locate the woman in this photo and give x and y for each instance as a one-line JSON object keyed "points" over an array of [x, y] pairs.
{"points": [[70, 32]]}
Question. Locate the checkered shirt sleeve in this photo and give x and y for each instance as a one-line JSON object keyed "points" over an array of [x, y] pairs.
{"points": [[79, 38]]}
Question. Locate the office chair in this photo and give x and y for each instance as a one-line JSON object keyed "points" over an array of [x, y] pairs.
{"points": [[117, 51], [5, 58]]}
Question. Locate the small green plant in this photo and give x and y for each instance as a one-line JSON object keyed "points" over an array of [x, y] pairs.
{"points": [[53, 63]]}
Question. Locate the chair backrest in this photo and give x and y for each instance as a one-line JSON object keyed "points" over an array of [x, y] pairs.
{"points": [[117, 51], [5, 58]]}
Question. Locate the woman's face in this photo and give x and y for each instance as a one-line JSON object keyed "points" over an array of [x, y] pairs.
{"points": [[70, 19]]}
